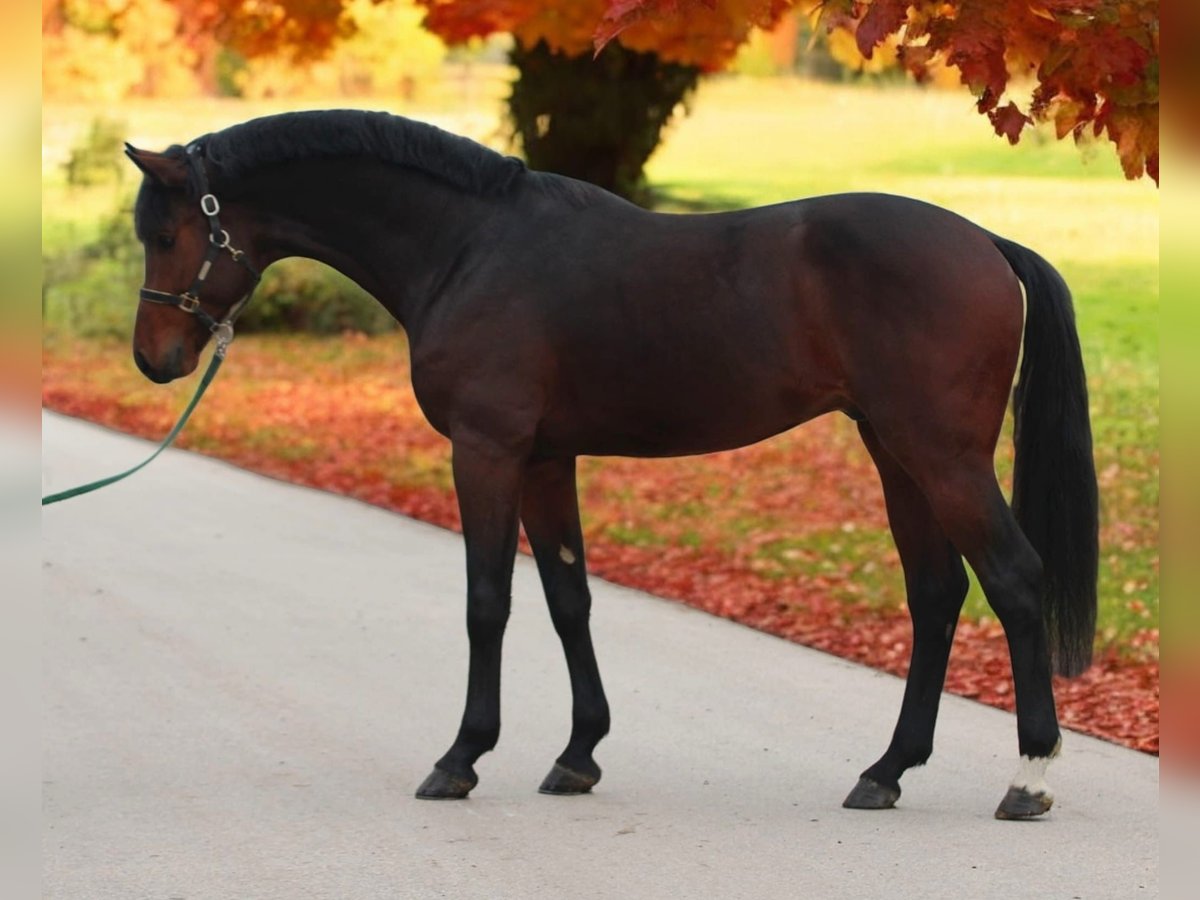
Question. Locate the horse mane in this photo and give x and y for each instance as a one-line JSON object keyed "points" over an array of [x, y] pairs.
{"points": [[345, 133]]}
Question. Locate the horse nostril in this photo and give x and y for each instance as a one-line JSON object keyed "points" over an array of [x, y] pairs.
{"points": [[173, 364]]}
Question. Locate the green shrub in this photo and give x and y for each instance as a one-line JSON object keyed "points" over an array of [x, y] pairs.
{"points": [[88, 297], [96, 159], [304, 295], [89, 286]]}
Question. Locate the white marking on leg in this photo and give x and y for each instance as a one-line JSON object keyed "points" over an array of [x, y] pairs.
{"points": [[1031, 774], [565, 554]]}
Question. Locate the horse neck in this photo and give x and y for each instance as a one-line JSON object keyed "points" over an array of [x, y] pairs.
{"points": [[396, 232]]}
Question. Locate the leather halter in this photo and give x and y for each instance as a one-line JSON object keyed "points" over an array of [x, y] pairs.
{"points": [[218, 241]]}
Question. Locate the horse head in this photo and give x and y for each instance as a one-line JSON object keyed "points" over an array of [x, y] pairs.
{"points": [[191, 291]]}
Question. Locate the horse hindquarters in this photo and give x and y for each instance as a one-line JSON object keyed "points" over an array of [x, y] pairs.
{"points": [[941, 430]]}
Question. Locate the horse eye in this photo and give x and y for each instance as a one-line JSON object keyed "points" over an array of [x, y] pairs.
{"points": [[165, 241]]}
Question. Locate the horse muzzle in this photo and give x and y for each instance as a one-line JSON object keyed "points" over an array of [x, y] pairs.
{"points": [[170, 369]]}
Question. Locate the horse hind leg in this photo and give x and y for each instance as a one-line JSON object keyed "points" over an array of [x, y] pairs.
{"points": [[936, 583], [967, 501], [550, 513]]}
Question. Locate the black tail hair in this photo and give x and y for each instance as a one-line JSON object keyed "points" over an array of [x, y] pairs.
{"points": [[1055, 498]]}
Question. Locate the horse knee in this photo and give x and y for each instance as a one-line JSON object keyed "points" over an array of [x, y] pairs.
{"points": [[571, 614], [480, 736], [487, 611]]}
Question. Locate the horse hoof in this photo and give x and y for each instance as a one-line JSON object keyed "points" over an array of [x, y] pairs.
{"points": [[441, 785], [1019, 803], [562, 781], [868, 794]]}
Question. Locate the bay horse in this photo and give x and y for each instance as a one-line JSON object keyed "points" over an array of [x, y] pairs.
{"points": [[549, 319]]}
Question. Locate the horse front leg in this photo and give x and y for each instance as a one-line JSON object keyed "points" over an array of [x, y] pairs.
{"points": [[550, 512], [488, 483]]}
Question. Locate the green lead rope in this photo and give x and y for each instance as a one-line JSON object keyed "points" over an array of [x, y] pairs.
{"points": [[218, 358]]}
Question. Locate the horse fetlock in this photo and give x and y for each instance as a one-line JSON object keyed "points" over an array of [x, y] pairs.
{"points": [[1028, 795], [1031, 771], [1043, 743], [473, 741], [917, 756], [588, 726]]}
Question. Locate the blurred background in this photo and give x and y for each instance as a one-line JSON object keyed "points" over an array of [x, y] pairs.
{"points": [[732, 104]]}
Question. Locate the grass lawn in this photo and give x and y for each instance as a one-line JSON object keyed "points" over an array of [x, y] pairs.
{"points": [[800, 510]]}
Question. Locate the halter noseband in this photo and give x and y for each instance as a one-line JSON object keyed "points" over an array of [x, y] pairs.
{"points": [[218, 240]]}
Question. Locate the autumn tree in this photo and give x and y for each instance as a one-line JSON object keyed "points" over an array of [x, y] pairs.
{"points": [[599, 79], [599, 116], [1094, 63]]}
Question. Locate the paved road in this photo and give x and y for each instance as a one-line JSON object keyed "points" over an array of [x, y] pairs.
{"points": [[245, 681]]}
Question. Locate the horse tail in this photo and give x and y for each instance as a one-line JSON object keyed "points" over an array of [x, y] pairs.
{"points": [[1055, 499]]}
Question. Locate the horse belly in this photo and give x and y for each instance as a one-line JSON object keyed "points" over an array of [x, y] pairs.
{"points": [[726, 373], [653, 418]]}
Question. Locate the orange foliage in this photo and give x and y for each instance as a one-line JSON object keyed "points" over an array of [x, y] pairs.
{"points": [[1095, 61], [303, 28], [103, 50], [708, 37]]}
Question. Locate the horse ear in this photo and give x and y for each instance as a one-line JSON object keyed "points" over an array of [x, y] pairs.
{"points": [[163, 169]]}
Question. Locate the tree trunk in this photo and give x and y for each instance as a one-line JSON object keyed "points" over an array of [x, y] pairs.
{"points": [[595, 119]]}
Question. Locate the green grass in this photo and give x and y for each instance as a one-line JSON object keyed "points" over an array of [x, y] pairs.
{"points": [[856, 555]]}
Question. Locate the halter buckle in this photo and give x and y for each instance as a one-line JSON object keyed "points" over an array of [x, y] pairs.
{"points": [[189, 303], [209, 205]]}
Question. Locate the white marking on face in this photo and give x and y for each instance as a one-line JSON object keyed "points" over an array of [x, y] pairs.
{"points": [[565, 554]]}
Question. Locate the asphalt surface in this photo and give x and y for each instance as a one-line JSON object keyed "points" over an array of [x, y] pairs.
{"points": [[245, 681]]}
